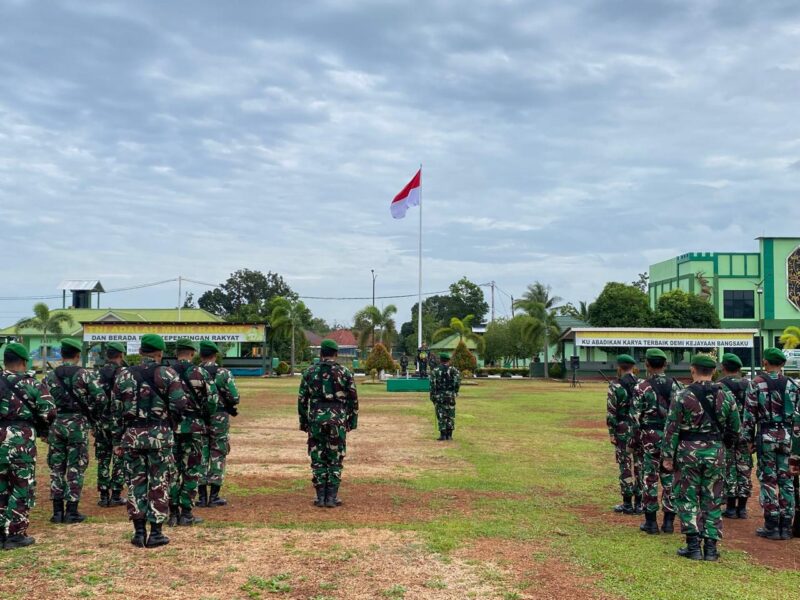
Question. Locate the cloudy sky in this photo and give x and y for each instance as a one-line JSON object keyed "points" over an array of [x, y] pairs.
{"points": [[568, 142]]}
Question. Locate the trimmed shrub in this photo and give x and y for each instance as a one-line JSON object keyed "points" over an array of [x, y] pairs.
{"points": [[283, 368], [555, 371], [466, 374], [463, 359], [380, 360]]}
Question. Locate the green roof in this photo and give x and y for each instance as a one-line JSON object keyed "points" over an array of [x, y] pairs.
{"points": [[450, 343]]}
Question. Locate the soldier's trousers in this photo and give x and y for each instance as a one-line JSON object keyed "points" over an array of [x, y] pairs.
{"points": [[68, 457], [188, 453], [630, 468], [149, 473], [17, 478], [777, 484], [110, 470], [699, 488], [653, 473], [738, 471], [216, 448], [445, 413], [327, 447]]}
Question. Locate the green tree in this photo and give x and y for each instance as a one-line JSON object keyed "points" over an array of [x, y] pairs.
{"points": [[47, 323], [497, 341], [577, 312], [790, 338], [620, 305], [522, 344], [288, 317], [466, 298], [462, 328], [682, 310], [371, 322], [246, 295], [462, 359], [542, 307], [380, 359]]}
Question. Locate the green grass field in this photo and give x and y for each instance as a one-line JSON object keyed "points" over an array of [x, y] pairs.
{"points": [[517, 506]]}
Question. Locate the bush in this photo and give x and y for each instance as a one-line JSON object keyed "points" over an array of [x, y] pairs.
{"points": [[380, 360], [283, 368], [555, 371], [466, 374], [373, 374], [485, 372], [463, 359], [133, 359]]}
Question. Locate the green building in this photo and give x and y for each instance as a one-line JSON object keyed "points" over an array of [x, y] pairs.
{"points": [[759, 290]]}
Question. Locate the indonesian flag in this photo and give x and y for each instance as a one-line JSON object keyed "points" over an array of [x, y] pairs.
{"points": [[410, 196]]}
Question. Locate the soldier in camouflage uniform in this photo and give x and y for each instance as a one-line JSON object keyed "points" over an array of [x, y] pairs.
{"points": [[190, 434], [79, 400], [422, 361], [148, 398], [738, 459], [26, 409], [110, 470], [445, 385], [772, 426], [621, 425], [328, 408], [217, 444], [651, 403], [700, 418]]}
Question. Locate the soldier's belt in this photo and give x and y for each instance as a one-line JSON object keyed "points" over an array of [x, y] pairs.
{"points": [[146, 422], [68, 413], [327, 405], [697, 436]]}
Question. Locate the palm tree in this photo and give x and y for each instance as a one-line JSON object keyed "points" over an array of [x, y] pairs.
{"points": [[286, 317], [539, 304], [370, 320], [462, 328], [46, 322], [790, 338], [583, 311]]}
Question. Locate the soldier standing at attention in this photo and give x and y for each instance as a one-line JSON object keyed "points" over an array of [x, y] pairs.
{"points": [[79, 399], [147, 398], [404, 364], [771, 421], [26, 409], [738, 459], [445, 385], [110, 470], [218, 444], [621, 427], [700, 417], [422, 361], [327, 405], [651, 404], [190, 433]]}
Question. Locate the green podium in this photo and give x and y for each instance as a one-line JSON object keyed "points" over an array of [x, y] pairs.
{"points": [[408, 385]]}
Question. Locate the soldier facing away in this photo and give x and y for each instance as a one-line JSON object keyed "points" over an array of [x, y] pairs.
{"points": [[26, 410], [445, 385], [217, 444], [700, 418], [651, 403], [738, 458], [110, 470], [147, 398], [621, 425], [79, 399], [771, 422], [327, 405]]}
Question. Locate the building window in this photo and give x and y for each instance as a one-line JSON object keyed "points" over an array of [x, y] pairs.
{"points": [[738, 304]]}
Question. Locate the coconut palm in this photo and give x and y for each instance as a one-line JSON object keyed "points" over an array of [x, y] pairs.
{"points": [[47, 323], [370, 322], [539, 304], [462, 328], [286, 317], [790, 338]]}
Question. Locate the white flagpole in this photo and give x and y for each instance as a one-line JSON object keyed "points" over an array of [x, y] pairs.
{"points": [[419, 311]]}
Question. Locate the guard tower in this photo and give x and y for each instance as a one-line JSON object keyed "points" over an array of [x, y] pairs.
{"points": [[81, 290]]}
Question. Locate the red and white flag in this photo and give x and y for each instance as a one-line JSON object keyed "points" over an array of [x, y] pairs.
{"points": [[410, 196]]}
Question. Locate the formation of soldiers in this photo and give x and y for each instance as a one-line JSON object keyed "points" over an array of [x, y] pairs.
{"points": [[160, 431], [697, 443]]}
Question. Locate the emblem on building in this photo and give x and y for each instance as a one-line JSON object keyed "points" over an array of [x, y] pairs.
{"points": [[793, 278]]}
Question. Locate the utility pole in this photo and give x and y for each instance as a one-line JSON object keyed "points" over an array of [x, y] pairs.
{"points": [[493, 284], [374, 277], [512, 307], [180, 293]]}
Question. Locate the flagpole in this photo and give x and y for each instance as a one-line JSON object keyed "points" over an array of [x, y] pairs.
{"points": [[419, 309]]}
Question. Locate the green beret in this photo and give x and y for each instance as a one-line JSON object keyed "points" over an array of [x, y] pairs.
{"points": [[704, 360], [329, 345], [18, 349], [444, 356], [209, 346], [71, 344], [626, 359], [185, 344], [655, 353], [729, 358], [774, 356], [118, 346], [152, 342]]}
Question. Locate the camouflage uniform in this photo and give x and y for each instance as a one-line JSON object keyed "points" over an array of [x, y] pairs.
{"points": [[18, 447], [79, 399], [328, 408], [738, 459], [146, 399], [772, 425], [651, 403], [621, 424], [110, 470], [445, 385], [217, 444], [694, 443], [191, 432]]}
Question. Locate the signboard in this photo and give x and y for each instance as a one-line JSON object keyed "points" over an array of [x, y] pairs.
{"points": [[792, 360], [678, 338], [132, 333]]}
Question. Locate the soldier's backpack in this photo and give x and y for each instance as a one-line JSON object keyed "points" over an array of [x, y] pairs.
{"points": [[706, 395], [182, 369], [40, 424], [146, 394], [737, 388], [107, 376], [628, 383], [64, 395], [663, 390], [777, 386]]}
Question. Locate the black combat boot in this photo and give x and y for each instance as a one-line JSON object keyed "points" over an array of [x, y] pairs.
{"points": [[187, 518], [18, 540], [3, 538], [116, 498], [139, 533], [650, 525], [202, 496], [669, 522], [442, 435], [71, 515], [771, 529], [214, 499], [710, 550], [626, 506], [730, 511], [320, 499], [638, 507], [331, 497], [786, 528], [449, 434], [172, 520], [156, 538], [741, 510], [692, 550], [105, 500], [58, 511]]}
